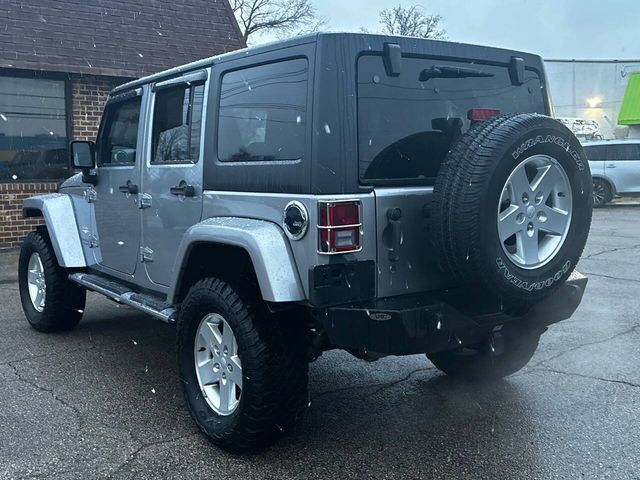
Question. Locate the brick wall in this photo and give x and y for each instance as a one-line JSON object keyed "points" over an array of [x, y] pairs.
{"points": [[88, 95], [13, 227]]}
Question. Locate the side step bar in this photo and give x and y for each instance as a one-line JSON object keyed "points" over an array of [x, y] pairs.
{"points": [[121, 293]]}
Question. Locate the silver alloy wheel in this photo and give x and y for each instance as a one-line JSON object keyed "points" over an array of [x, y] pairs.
{"points": [[599, 194], [534, 211], [218, 365], [36, 282]]}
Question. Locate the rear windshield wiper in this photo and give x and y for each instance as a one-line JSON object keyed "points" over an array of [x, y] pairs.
{"points": [[447, 71]]}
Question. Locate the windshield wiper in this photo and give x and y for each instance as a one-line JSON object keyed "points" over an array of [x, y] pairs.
{"points": [[447, 71]]}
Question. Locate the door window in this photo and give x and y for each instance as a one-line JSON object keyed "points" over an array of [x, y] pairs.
{"points": [[120, 134], [596, 152], [177, 120]]}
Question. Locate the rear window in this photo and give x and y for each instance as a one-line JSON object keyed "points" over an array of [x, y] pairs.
{"points": [[406, 126]]}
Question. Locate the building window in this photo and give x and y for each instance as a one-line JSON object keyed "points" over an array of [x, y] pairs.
{"points": [[177, 120], [33, 129], [263, 112]]}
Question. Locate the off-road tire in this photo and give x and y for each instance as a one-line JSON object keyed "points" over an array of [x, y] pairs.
{"points": [[604, 190], [479, 364], [467, 192], [275, 371], [64, 300]]}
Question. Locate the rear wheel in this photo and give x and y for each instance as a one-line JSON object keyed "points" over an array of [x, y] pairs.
{"points": [[51, 302], [602, 193], [497, 357], [245, 382]]}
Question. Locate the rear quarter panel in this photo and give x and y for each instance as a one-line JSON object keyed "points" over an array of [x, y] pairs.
{"points": [[271, 207]]}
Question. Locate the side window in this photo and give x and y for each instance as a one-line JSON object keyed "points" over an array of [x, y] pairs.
{"points": [[624, 152], [177, 118], [263, 112], [120, 132], [596, 152]]}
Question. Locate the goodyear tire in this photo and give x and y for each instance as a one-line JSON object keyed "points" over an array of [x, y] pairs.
{"points": [[512, 207]]}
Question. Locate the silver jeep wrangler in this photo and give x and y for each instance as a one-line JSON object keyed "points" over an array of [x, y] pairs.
{"points": [[382, 195]]}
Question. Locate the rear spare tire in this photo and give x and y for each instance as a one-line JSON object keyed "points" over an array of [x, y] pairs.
{"points": [[512, 207]]}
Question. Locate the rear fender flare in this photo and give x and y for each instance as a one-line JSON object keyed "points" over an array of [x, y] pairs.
{"points": [[264, 241]]}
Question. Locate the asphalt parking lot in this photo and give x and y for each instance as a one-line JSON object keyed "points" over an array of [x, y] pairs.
{"points": [[105, 401]]}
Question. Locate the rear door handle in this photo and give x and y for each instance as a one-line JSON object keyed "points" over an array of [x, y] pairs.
{"points": [[183, 189], [612, 165], [129, 188]]}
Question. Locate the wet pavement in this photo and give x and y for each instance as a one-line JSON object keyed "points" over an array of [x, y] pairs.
{"points": [[105, 401]]}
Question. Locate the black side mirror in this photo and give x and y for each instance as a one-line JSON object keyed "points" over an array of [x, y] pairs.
{"points": [[83, 158]]}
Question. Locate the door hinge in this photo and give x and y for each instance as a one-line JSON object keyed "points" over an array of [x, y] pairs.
{"points": [[93, 241], [144, 200], [88, 238], [146, 254], [90, 195]]}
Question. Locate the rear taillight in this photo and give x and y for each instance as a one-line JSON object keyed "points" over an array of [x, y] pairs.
{"points": [[482, 114], [339, 226]]}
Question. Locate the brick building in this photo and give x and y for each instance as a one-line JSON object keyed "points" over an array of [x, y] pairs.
{"points": [[58, 61]]}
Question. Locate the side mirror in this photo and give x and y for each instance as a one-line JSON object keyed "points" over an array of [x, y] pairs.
{"points": [[83, 158], [82, 154]]}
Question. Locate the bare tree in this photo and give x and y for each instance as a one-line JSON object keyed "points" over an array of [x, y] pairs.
{"points": [[279, 16], [411, 21]]}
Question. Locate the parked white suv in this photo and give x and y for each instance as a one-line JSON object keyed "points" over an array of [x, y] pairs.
{"points": [[615, 167]]}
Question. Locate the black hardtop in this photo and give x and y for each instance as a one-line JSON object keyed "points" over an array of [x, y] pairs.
{"points": [[356, 42], [329, 163]]}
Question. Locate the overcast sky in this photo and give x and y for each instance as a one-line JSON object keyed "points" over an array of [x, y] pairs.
{"points": [[551, 28]]}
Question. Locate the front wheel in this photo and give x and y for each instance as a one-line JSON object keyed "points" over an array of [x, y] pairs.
{"points": [[51, 302], [243, 382], [497, 357]]}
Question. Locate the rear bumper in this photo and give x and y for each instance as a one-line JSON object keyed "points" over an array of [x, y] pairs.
{"points": [[430, 323]]}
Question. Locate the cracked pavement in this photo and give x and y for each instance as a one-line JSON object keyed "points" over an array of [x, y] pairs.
{"points": [[104, 401]]}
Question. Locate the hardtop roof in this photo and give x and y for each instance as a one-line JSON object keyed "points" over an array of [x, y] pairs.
{"points": [[469, 50], [216, 59]]}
